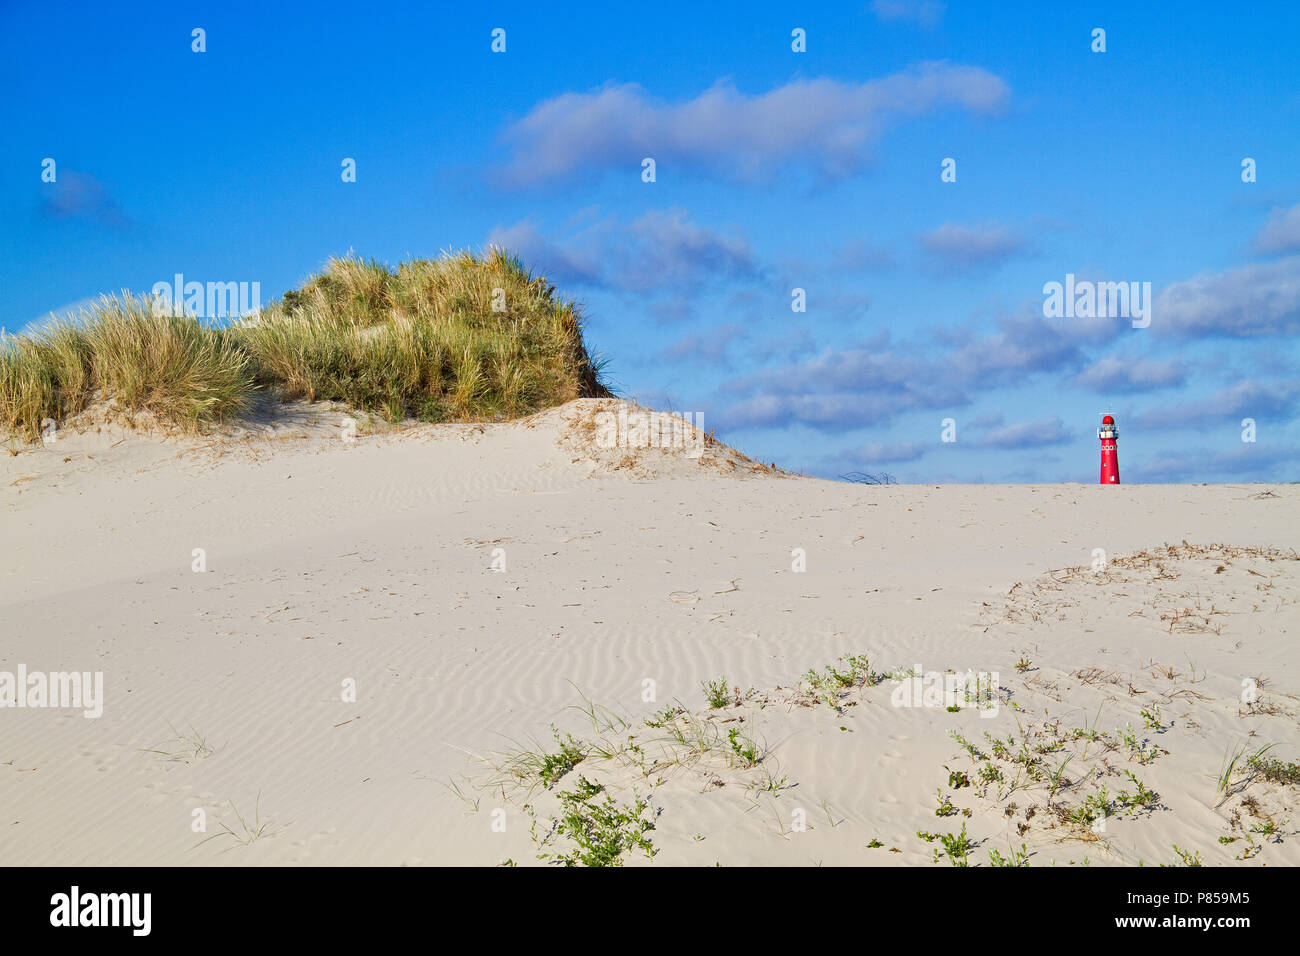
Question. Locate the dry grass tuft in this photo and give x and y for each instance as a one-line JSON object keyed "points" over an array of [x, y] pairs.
{"points": [[182, 372]]}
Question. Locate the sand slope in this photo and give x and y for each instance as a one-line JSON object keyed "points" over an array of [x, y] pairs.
{"points": [[371, 561]]}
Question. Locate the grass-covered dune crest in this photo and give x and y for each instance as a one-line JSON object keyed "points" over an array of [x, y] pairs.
{"points": [[459, 338]]}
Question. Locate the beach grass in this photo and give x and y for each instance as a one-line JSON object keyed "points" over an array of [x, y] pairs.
{"points": [[460, 338]]}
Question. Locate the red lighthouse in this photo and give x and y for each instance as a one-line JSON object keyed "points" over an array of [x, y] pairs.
{"points": [[1109, 436]]}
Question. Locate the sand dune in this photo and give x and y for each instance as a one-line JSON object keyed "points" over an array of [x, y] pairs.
{"points": [[630, 574]]}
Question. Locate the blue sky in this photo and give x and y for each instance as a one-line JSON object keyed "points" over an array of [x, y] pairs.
{"points": [[775, 170]]}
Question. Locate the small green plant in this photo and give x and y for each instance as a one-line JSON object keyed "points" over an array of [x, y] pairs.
{"points": [[1057, 778], [972, 750], [602, 830], [989, 774], [1142, 799], [874, 844], [1151, 718], [1095, 807], [956, 847], [828, 684], [1137, 750], [1273, 770], [1186, 857], [1017, 858], [1024, 664], [1000, 750], [1127, 737], [1268, 829], [946, 809], [715, 692], [556, 765], [743, 747], [769, 782], [665, 716], [857, 673]]}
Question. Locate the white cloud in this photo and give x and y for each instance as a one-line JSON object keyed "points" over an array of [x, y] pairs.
{"points": [[886, 452], [954, 246], [826, 124], [1247, 399], [1246, 302], [1242, 462], [661, 250], [1035, 434], [924, 13], [1282, 231], [1115, 373], [709, 346]]}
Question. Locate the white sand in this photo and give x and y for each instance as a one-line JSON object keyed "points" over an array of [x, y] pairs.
{"points": [[371, 561]]}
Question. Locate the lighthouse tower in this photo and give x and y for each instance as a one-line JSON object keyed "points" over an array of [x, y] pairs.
{"points": [[1109, 436]]}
